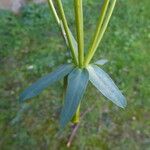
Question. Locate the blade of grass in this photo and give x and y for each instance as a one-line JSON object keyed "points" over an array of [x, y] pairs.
{"points": [[103, 29], [80, 31], [66, 28]]}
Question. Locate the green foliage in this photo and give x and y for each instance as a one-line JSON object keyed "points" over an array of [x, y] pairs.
{"points": [[101, 62], [125, 45], [98, 77], [45, 81], [106, 86], [77, 83]]}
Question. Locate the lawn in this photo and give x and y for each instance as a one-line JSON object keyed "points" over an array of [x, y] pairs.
{"points": [[31, 46]]}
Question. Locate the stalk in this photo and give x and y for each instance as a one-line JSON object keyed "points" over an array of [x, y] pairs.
{"points": [[79, 28], [51, 5], [101, 33], [98, 29], [59, 22], [66, 28], [76, 117]]}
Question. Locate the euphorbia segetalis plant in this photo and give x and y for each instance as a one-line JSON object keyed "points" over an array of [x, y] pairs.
{"points": [[80, 71]]}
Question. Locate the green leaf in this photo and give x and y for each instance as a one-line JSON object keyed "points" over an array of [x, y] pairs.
{"points": [[101, 62], [77, 83], [45, 81], [105, 85]]}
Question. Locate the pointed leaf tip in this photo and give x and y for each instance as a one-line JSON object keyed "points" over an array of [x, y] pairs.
{"points": [[101, 62], [77, 83], [45, 81], [106, 86]]}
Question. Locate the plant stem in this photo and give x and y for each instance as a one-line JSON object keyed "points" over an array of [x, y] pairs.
{"points": [[50, 2], [98, 29], [101, 33], [59, 22], [66, 28], [76, 117], [75, 128], [80, 31], [61, 26], [108, 16]]}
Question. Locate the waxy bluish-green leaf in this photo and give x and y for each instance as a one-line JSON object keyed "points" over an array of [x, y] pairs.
{"points": [[101, 62], [45, 81], [77, 83], [105, 85]]}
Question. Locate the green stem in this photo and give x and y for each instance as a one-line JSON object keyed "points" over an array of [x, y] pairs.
{"points": [[76, 117], [50, 2], [66, 28], [100, 36], [80, 32], [98, 29], [59, 22]]}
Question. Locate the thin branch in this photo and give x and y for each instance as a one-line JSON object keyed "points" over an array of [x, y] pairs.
{"points": [[76, 126]]}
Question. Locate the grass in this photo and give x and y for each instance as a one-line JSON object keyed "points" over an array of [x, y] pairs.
{"points": [[30, 46]]}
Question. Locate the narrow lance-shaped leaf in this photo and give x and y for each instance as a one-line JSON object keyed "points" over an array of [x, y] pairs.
{"points": [[101, 62], [45, 81], [106, 86], [77, 83]]}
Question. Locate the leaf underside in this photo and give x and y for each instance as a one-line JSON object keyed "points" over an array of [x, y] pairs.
{"points": [[77, 83], [106, 86], [45, 81]]}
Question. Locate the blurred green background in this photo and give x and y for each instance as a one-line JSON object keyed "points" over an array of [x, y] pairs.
{"points": [[31, 46]]}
